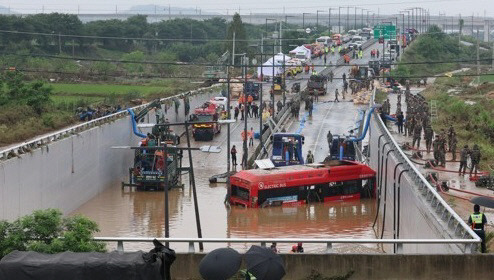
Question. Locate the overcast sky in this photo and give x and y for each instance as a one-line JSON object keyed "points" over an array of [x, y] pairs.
{"points": [[450, 7]]}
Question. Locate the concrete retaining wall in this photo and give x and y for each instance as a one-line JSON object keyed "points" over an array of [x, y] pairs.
{"points": [[420, 214], [366, 266], [66, 173]]}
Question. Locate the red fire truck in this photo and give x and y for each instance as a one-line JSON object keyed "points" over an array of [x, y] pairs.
{"points": [[300, 184], [208, 112]]}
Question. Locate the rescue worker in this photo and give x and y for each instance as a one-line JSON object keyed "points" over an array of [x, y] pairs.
{"points": [[442, 152], [417, 132], [336, 93], [451, 131], [300, 249], [329, 137], [331, 76], [452, 145], [279, 105], [463, 159], [310, 157], [233, 153], [475, 157], [325, 59], [428, 133], [435, 147], [273, 247], [477, 221], [399, 122]]}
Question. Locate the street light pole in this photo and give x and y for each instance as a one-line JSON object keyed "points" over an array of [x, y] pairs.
{"points": [[339, 20], [329, 22], [355, 22], [317, 19]]}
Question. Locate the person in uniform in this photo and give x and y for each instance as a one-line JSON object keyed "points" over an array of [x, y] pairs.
{"points": [[417, 131], [435, 147], [475, 156], [463, 159], [442, 152], [428, 134], [310, 157], [452, 145], [477, 221]]}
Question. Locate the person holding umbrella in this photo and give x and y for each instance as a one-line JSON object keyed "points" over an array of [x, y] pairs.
{"points": [[477, 221]]}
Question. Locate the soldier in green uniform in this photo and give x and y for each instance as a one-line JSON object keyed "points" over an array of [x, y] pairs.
{"points": [[417, 131], [435, 147], [452, 145], [442, 152], [463, 159], [428, 133], [475, 156]]}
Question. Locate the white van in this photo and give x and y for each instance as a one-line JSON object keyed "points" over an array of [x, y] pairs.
{"points": [[325, 40]]}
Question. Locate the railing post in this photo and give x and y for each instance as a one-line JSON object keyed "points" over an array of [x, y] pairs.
{"points": [[120, 246], [329, 248], [192, 249], [399, 248]]}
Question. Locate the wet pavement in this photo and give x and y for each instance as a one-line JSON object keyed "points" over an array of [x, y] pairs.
{"points": [[141, 214]]}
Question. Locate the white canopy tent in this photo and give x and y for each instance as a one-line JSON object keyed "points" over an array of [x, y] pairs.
{"points": [[301, 52]]}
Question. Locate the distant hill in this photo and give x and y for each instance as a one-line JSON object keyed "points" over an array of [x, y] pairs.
{"points": [[151, 9]]}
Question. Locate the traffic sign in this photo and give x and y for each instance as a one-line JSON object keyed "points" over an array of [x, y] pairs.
{"points": [[307, 30], [384, 31]]}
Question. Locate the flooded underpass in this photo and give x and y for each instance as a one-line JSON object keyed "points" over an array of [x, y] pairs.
{"points": [[124, 213]]}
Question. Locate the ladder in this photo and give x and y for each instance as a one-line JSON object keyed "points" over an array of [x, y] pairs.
{"points": [[433, 109]]}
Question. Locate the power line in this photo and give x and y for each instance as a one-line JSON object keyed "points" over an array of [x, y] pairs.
{"points": [[125, 75], [237, 65]]}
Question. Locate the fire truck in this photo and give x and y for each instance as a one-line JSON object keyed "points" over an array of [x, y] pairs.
{"points": [[208, 113]]}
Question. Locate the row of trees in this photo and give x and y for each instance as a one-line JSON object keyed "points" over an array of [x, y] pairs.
{"points": [[14, 90], [187, 38], [47, 231]]}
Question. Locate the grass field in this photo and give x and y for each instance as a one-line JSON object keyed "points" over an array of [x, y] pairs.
{"points": [[487, 78]]}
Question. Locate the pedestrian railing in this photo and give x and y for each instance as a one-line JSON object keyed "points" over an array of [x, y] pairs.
{"points": [[38, 142], [469, 244]]}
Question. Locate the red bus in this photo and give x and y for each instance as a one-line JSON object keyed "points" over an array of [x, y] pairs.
{"points": [[300, 184]]}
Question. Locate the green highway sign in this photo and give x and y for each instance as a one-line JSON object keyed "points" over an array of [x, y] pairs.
{"points": [[384, 31]]}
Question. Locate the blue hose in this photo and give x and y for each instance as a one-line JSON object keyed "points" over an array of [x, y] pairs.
{"points": [[366, 127], [134, 124], [341, 152]]}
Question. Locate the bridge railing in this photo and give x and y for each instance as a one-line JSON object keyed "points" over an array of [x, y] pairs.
{"points": [[38, 142], [328, 248]]}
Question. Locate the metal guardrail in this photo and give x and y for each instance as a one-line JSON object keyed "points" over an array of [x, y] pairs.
{"points": [[443, 212], [263, 241], [38, 142]]}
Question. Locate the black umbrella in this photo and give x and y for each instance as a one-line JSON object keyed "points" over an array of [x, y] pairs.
{"points": [[264, 264], [220, 264], [483, 201]]}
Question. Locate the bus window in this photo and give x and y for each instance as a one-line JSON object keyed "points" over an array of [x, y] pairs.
{"points": [[241, 193], [281, 194], [345, 188]]}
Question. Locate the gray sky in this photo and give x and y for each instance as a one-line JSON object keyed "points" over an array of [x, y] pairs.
{"points": [[450, 7]]}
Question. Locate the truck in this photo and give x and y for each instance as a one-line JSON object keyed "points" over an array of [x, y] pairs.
{"points": [[208, 112], [336, 39], [316, 85], [252, 88], [277, 88]]}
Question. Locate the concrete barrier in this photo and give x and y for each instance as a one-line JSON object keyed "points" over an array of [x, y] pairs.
{"points": [[365, 266], [71, 169]]}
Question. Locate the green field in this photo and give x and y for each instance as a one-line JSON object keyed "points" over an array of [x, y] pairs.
{"points": [[487, 78]]}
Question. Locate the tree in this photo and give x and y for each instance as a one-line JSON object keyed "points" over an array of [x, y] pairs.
{"points": [[47, 231], [236, 26], [461, 23]]}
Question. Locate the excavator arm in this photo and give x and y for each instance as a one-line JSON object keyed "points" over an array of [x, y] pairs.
{"points": [[153, 105]]}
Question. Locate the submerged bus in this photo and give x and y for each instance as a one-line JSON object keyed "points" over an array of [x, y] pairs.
{"points": [[300, 184]]}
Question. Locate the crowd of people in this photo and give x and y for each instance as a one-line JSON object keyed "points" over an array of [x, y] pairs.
{"points": [[416, 123]]}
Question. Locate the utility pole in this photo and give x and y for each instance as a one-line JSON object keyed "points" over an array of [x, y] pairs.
{"points": [[59, 43], [329, 22], [261, 109], [339, 20], [355, 19], [347, 25], [478, 55]]}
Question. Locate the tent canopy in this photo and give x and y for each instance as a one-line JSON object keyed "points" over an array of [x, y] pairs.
{"points": [[301, 50]]}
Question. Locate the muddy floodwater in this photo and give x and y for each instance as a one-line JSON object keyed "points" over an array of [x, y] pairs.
{"points": [[141, 214]]}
